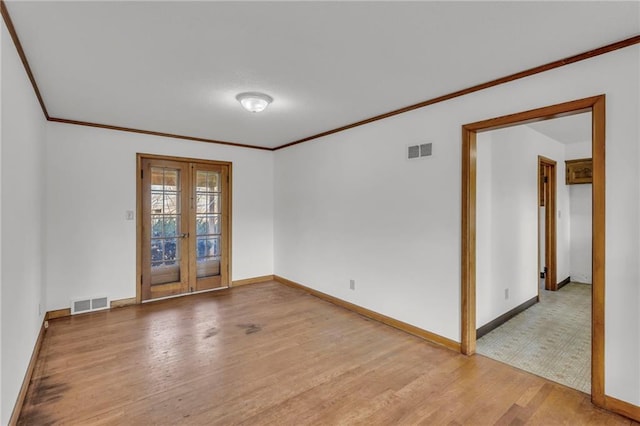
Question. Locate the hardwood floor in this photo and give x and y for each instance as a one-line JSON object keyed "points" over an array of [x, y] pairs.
{"points": [[270, 354]]}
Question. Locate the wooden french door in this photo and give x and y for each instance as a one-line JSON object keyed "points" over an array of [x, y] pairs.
{"points": [[184, 221]]}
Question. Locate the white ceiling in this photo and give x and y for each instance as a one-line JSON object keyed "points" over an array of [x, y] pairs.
{"points": [[176, 67], [566, 130]]}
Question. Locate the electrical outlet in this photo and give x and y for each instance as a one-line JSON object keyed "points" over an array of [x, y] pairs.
{"points": [[128, 215], [352, 284], [506, 293]]}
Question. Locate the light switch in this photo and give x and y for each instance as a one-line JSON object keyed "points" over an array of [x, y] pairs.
{"points": [[129, 215]]}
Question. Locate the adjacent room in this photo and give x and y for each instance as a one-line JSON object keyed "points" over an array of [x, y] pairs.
{"points": [[289, 212], [534, 270]]}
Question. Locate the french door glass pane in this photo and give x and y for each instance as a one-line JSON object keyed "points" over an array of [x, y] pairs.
{"points": [[208, 219], [207, 224], [208, 202], [166, 245], [208, 181]]}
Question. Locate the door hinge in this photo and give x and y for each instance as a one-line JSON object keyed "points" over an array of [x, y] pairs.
{"points": [[546, 179], [541, 274], [141, 174]]}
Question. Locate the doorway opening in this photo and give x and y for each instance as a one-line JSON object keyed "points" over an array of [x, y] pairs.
{"points": [[547, 222], [184, 216], [595, 105], [532, 311]]}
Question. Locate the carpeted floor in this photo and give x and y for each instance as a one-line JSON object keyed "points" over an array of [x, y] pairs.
{"points": [[551, 339]]}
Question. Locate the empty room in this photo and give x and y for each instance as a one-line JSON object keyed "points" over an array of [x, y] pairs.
{"points": [[274, 212]]}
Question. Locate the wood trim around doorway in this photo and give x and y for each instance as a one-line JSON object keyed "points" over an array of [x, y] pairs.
{"points": [[596, 105]]}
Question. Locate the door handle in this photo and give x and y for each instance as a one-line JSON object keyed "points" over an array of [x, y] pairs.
{"points": [[184, 235]]}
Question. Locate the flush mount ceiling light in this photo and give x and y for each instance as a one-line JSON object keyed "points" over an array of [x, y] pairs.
{"points": [[254, 101]]}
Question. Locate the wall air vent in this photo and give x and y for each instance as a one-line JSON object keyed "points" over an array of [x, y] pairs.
{"points": [[413, 152], [419, 151], [80, 306], [425, 149]]}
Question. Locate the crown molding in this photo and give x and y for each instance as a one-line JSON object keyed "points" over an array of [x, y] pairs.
{"points": [[522, 74], [153, 133], [512, 77], [23, 57]]}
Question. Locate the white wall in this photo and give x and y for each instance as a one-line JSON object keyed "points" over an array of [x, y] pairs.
{"points": [[23, 189], [637, 105], [2, 49], [91, 178], [507, 220], [581, 223], [2, 32], [349, 206], [488, 300]]}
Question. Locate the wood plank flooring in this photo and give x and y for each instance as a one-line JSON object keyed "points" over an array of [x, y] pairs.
{"points": [[270, 354]]}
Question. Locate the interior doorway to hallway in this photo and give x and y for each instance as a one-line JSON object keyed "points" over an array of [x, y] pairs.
{"points": [[547, 243], [524, 228], [473, 267]]}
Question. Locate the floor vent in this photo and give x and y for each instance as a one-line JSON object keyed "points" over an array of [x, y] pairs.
{"points": [[80, 306]]}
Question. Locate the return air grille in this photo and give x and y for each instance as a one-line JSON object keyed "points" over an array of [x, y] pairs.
{"points": [[99, 303], [80, 306], [418, 151], [413, 152]]}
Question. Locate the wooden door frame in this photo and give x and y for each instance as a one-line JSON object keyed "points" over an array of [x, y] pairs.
{"points": [[139, 217], [211, 282], [595, 105], [550, 228], [180, 286]]}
